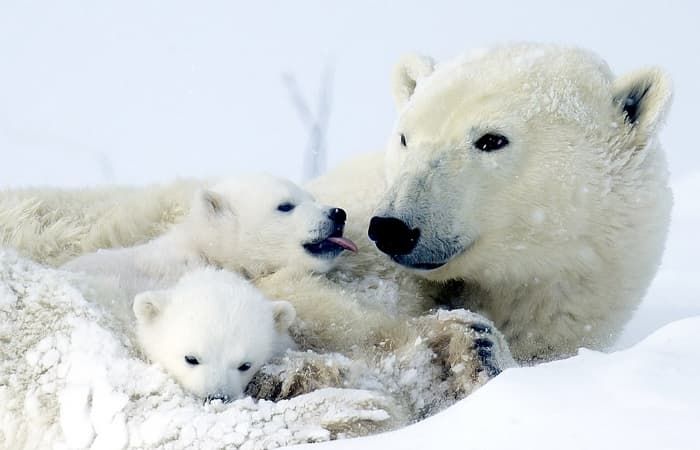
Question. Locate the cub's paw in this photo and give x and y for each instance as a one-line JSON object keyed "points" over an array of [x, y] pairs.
{"points": [[298, 373], [467, 346]]}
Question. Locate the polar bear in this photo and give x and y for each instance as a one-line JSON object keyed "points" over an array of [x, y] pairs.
{"points": [[253, 225], [280, 238], [525, 182], [212, 331]]}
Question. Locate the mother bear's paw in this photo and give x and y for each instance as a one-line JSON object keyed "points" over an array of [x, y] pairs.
{"points": [[467, 346], [298, 373]]}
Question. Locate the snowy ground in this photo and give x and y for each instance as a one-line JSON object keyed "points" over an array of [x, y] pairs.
{"points": [[644, 395]]}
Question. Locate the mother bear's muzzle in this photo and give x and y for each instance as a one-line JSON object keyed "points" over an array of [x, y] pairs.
{"points": [[412, 247]]}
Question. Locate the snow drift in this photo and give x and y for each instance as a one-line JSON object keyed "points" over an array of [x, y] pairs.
{"points": [[643, 397], [70, 379]]}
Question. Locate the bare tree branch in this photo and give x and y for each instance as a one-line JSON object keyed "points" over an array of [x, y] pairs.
{"points": [[315, 155], [298, 101]]}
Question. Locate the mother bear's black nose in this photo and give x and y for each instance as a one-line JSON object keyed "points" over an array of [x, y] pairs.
{"points": [[393, 236]]}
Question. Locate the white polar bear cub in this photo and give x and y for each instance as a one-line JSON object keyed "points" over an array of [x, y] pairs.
{"points": [[212, 331], [252, 225]]}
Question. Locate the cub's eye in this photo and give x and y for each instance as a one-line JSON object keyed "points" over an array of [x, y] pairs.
{"points": [[403, 139], [245, 366], [191, 360], [490, 142], [286, 207]]}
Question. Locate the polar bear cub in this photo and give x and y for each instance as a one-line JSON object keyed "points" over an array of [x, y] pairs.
{"points": [[260, 224], [250, 225], [253, 225], [212, 331]]}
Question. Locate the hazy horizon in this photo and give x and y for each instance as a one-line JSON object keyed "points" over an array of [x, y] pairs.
{"points": [[136, 92]]}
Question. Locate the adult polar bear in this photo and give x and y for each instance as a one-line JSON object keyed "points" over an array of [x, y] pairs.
{"points": [[531, 174], [531, 181]]}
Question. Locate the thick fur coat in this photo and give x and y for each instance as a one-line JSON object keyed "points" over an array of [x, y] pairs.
{"points": [[527, 183]]}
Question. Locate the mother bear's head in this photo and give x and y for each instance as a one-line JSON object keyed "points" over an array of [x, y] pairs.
{"points": [[522, 160]]}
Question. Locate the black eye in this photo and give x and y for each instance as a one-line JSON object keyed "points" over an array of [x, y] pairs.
{"points": [[245, 366], [191, 360], [286, 207], [403, 139], [490, 142]]}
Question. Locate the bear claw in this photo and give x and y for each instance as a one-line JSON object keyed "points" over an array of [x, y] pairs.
{"points": [[464, 341], [481, 328], [482, 343]]}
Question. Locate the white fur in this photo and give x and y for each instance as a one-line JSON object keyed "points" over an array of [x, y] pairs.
{"points": [[55, 225], [556, 236], [566, 224], [234, 224], [218, 318], [249, 234], [71, 379], [356, 311]]}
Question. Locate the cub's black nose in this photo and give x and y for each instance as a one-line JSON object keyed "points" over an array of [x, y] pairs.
{"points": [[337, 215], [224, 398], [393, 236]]}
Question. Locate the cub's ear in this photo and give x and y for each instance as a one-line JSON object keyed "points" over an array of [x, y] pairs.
{"points": [[148, 305], [406, 75], [213, 203], [283, 314], [644, 98]]}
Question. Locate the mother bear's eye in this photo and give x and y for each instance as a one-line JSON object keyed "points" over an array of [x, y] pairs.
{"points": [[191, 360], [403, 139], [286, 207], [490, 142], [245, 367]]}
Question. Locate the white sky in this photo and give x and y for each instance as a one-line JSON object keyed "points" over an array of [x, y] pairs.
{"points": [[132, 91]]}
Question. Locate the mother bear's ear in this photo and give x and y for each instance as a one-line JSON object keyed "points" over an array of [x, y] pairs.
{"points": [[643, 98], [409, 70]]}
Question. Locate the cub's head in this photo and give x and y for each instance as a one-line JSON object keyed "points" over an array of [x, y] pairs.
{"points": [[212, 331], [261, 223], [501, 159]]}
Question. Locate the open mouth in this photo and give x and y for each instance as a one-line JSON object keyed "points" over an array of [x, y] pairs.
{"points": [[427, 260], [421, 265], [331, 246]]}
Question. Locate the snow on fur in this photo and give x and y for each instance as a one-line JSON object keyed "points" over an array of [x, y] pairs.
{"points": [[69, 379]]}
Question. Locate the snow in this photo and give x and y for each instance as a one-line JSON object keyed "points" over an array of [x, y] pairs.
{"points": [[643, 398]]}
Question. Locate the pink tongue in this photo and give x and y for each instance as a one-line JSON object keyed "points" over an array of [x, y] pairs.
{"points": [[344, 242]]}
